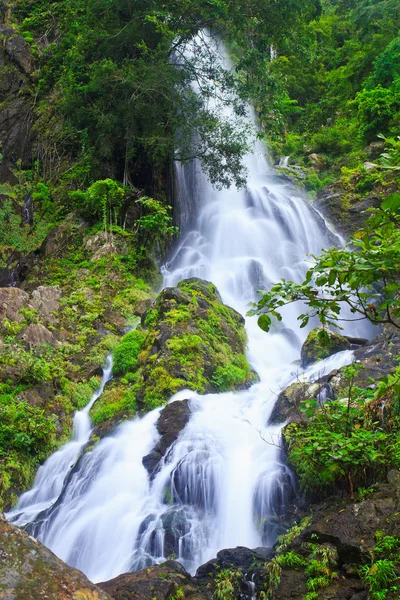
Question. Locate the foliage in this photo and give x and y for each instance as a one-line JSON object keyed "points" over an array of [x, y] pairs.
{"points": [[317, 562], [227, 584], [115, 87], [155, 222], [26, 438], [364, 276], [341, 446], [382, 576], [102, 200]]}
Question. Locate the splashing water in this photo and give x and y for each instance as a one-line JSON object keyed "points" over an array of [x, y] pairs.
{"points": [[224, 482]]}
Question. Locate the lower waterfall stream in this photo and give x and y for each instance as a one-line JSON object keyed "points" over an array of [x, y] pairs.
{"points": [[224, 482]]}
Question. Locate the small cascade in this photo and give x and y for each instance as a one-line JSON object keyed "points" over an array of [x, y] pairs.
{"points": [[27, 211], [51, 475], [284, 162]]}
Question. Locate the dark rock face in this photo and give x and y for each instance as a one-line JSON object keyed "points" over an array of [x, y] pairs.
{"points": [[287, 406], [16, 66], [29, 571], [173, 418], [160, 582]]}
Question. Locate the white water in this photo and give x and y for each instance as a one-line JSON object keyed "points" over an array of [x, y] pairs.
{"points": [[224, 482], [50, 477]]}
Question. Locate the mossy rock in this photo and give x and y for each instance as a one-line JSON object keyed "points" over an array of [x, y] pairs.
{"points": [[193, 341], [320, 344], [29, 571]]}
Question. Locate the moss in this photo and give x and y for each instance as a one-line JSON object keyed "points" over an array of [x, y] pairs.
{"points": [[321, 343], [125, 355], [78, 393], [193, 341], [117, 399], [233, 375]]}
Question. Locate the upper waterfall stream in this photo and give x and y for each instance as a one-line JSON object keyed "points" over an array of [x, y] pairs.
{"points": [[224, 482]]}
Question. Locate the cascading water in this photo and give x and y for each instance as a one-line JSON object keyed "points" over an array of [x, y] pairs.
{"points": [[224, 482], [50, 477]]}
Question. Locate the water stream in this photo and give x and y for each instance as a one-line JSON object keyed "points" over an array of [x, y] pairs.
{"points": [[224, 482]]}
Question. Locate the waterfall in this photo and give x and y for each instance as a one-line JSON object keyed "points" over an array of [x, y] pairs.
{"points": [[224, 481]]}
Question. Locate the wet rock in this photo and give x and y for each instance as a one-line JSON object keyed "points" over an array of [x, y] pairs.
{"points": [[351, 526], [158, 582], [36, 336], [19, 52], [287, 406], [317, 348], [11, 301], [29, 571], [172, 420], [346, 220]]}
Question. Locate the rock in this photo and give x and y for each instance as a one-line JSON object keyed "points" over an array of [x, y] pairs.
{"points": [[102, 245], [29, 571], [347, 219], [16, 112], [172, 420], [19, 52], [287, 406], [318, 162], [158, 582], [11, 301], [315, 348], [46, 300], [193, 341], [35, 336], [351, 526]]}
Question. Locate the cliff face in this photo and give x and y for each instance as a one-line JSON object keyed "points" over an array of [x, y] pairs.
{"points": [[16, 109]]}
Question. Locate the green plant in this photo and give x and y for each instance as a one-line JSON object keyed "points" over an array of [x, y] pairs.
{"points": [[380, 577], [227, 584]]}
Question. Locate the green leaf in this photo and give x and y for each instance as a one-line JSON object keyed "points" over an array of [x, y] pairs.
{"points": [[264, 322], [392, 203]]}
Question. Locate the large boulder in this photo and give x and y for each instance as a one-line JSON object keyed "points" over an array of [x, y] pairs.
{"points": [[193, 341], [320, 344], [11, 301], [345, 530], [46, 300], [158, 582], [29, 571], [36, 336]]}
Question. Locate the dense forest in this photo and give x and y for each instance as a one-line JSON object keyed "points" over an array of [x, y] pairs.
{"points": [[100, 100]]}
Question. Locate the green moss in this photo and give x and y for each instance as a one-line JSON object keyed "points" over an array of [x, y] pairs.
{"points": [[79, 393], [160, 386], [321, 343], [193, 341], [125, 355], [232, 375], [112, 402]]}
